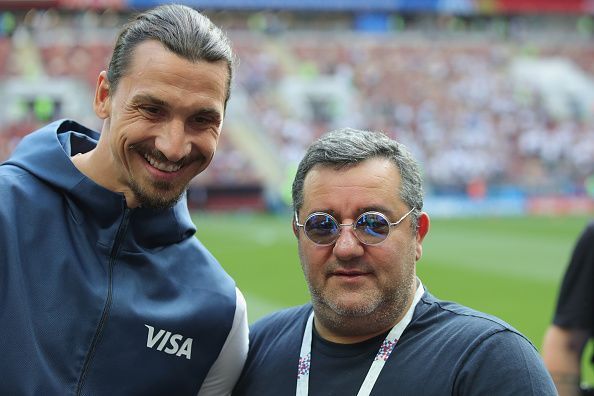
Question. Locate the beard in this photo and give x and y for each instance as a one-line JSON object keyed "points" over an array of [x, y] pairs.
{"points": [[162, 195], [375, 309], [159, 194], [393, 300]]}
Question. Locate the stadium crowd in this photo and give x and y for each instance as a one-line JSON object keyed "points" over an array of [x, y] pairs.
{"points": [[483, 112]]}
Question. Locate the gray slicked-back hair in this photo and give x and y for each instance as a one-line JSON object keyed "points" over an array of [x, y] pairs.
{"points": [[182, 30], [348, 147]]}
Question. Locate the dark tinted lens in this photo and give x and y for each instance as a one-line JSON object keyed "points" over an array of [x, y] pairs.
{"points": [[372, 228], [321, 228]]}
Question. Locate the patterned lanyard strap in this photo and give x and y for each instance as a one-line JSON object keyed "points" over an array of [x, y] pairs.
{"points": [[381, 357]]}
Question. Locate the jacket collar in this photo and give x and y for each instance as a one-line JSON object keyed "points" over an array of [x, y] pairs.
{"points": [[46, 154]]}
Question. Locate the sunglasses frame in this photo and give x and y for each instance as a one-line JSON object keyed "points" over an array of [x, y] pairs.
{"points": [[353, 225]]}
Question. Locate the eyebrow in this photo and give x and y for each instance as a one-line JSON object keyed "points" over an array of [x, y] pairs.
{"points": [[214, 114], [358, 212], [379, 208], [146, 98]]}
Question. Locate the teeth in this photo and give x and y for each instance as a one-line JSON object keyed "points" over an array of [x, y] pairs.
{"points": [[162, 166]]}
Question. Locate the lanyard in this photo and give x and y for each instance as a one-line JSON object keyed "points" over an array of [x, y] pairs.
{"points": [[380, 358]]}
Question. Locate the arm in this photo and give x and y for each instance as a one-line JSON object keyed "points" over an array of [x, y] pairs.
{"points": [[574, 317], [226, 369], [562, 353]]}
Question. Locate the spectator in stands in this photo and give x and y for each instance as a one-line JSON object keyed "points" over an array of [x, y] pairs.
{"points": [[371, 325], [573, 323], [104, 289], [458, 100]]}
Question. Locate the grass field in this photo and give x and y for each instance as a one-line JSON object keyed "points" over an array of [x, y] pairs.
{"points": [[508, 267]]}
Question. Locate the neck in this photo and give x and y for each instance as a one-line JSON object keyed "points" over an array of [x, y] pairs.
{"points": [[343, 338], [96, 168], [347, 329]]}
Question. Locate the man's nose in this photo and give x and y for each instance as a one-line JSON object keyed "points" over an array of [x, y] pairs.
{"points": [[173, 141], [347, 246]]}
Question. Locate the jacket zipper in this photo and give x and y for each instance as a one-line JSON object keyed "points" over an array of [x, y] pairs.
{"points": [[115, 249]]}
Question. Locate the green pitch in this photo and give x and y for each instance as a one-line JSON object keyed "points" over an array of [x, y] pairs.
{"points": [[508, 267]]}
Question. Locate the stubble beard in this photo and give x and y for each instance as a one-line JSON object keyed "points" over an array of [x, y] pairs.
{"points": [[378, 310], [161, 196]]}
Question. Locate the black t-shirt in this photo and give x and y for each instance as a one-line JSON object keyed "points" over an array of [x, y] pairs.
{"points": [[575, 306], [352, 361], [447, 349]]}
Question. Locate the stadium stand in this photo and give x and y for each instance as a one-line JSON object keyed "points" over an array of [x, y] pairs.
{"points": [[491, 106]]}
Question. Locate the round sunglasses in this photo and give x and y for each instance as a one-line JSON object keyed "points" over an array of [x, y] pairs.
{"points": [[370, 228]]}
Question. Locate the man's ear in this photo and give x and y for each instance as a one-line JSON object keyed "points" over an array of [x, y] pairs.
{"points": [[422, 230], [101, 103], [295, 228]]}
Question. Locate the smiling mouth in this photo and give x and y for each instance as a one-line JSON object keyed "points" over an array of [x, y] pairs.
{"points": [[162, 166]]}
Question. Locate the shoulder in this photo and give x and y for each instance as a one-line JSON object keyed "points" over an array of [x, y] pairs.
{"points": [[21, 191], [576, 296], [456, 321], [582, 260], [284, 321], [275, 341], [589, 230], [12, 176], [20, 174], [452, 312], [483, 353], [278, 333], [586, 238]]}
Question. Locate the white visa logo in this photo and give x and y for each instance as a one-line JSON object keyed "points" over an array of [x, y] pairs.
{"points": [[171, 340]]}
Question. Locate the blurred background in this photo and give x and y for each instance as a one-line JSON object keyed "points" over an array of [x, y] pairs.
{"points": [[494, 97]]}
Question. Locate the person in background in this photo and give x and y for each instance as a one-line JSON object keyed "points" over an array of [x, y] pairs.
{"points": [[372, 327], [104, 289], [573, 322]]}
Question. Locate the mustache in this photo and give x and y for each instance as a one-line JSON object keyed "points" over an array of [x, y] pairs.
{"points": [[359, 266], [156, 154]]}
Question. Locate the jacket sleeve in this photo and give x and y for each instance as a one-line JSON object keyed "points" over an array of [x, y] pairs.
{"points": [[226, 369]]}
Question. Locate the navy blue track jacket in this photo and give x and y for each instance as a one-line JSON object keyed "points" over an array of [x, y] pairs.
{"points": [[97, 298]]}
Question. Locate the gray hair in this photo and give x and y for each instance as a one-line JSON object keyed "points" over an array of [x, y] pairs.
{"points": [[348, 147], [183, 30]]}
